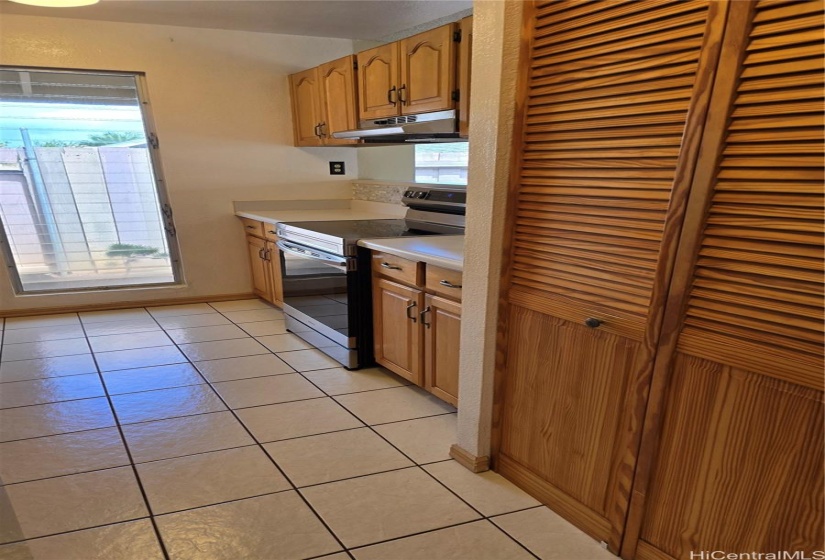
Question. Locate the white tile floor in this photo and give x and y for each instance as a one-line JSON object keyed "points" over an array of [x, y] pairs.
{"points": [[207, 431]]}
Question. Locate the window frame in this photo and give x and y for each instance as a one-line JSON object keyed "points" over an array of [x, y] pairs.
{"points": [[153, 144]]}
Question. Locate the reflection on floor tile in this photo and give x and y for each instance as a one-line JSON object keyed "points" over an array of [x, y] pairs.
{"points": [[123, 541], [244, 367], [90, 317], [335, 456], [190, 321], [424, 440], [308, 360], [166, 403], [393, 405], [151, 378], [178, 310], [42, 333], [340, 381], [45, 457], [205, 334], [550, 537], [142, 357], [129, 341], [488, 492], [258, 391], [275, 527], [163, 439], [265, 328], [297, 419], [480, 540], [55, 389], [129, 326], [240, 305], [385, 506], [59, 320], [55, 418], [209, 478], [254, 315], [44, 349], [222, 349], [283, 343], [78, 501], [47, 367]]}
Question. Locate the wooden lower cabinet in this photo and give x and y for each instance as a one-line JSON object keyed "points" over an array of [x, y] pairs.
{"points": [[397, 328], [417, 331], [265, 262], [441, 320]]}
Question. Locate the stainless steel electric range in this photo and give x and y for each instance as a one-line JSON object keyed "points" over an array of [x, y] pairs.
{"points": [[326, 276]]}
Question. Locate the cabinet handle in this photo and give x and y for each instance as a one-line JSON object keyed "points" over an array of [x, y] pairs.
{"points": [[389, 95], [322, 128], [449, 284], [272, 231], [268, 255], [390, 266], [261, 254], [402, 98], [318, 130], [423, 316], [250, 227], [592, 322], [410, 307]]}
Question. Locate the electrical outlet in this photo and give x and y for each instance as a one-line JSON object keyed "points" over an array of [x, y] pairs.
{"points": [[336, 168]]}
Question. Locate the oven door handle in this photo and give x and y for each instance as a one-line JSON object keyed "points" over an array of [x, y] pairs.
{"points": [[309, 253]]}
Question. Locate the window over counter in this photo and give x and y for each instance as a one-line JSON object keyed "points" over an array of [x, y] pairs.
{"points": [[82, 202], [445, 163]]}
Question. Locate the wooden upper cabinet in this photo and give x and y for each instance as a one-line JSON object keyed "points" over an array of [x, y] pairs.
{"points": [[339, 107], [306, 107], [428, 64], [465, 58], [378, 82]]}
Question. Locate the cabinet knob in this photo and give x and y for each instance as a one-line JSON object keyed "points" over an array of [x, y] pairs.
{"points": [[592, 322]]}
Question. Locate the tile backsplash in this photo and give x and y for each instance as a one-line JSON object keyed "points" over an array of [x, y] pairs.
{"points": [[375, 192]]}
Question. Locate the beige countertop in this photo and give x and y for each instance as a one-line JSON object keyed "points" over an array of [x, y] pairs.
{"points": [[315, 215], [446, 251]]}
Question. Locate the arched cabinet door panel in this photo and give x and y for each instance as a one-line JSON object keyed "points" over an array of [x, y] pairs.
{"points": [[378, 82], [428, 71], [306, 107], [338, 98]]}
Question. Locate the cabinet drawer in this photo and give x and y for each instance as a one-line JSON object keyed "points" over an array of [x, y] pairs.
{"points": [[403, 270], [253, 227], [270, 231], [444, 282]]}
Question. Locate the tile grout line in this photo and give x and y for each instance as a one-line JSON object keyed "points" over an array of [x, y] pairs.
{"points": [[129, 453], [261, 447]]}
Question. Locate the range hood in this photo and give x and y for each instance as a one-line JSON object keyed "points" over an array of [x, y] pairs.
{"points": [[441, 126]]}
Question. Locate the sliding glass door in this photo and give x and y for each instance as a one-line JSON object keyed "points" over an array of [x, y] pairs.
{"points": [[82, 201]]}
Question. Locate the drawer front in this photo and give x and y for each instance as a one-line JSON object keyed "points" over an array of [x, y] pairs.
{"points": [[270, 231], [404, 270], [253, 227], [444, 282]]}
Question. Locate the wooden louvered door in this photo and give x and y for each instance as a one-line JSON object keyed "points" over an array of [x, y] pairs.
{"points": [[615, 100], [732, 456]]}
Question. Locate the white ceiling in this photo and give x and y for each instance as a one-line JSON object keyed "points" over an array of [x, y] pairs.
{"points": [[349, 19]]}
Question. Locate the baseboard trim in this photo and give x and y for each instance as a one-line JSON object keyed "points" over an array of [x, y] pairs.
{"points": [[121, 305], [468, 460]]}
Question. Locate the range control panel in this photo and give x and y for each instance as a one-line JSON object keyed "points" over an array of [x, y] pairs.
{"points": [[440, 196]]}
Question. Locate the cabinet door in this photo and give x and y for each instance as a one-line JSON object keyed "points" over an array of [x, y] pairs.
{"points": [[465, 58], [260, 273], [602, 163], [737, 403], [398, 330], [441, 319], [306, 107], [428, 71], [378, 82], [273, 263], [339, 108]]}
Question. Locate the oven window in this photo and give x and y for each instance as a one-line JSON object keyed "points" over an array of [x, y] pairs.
{"points": [[317, 289]]}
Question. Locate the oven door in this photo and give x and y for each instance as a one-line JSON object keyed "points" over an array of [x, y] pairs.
{"points": [[316, 291]]}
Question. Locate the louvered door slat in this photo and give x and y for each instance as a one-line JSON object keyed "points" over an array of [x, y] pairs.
{"points": [[765, 225]]}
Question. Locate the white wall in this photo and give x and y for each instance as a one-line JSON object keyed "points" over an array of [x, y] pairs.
{"points": [[497, 31], [220, 102]]}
